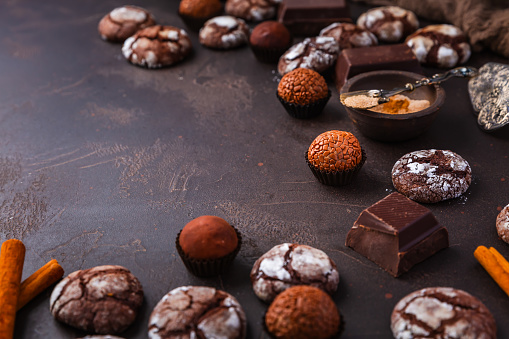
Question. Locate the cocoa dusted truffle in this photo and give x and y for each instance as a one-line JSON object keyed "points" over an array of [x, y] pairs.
{"points": [[303, 312], [208, 245], [195, 12], [335, 157], [303, 92], [269, 40]]}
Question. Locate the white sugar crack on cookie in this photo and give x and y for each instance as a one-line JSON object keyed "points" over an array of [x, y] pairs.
{"points": [[442, 312], [157, 46], [430, 176], [389, 23], [224, 32], [288, 265]]}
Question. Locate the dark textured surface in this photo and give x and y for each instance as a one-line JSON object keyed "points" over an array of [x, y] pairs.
{"points": [[103, 162]]}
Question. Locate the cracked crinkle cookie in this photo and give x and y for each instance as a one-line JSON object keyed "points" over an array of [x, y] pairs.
{"points": [[503, 224], [224, 32], [349, 35], [439, 45], [157, 46], [389, 23], [287, 265], [123, 22], [430, 176], [197, 312], [442, 312], [103, 299], [251, 10], [318, 53]]}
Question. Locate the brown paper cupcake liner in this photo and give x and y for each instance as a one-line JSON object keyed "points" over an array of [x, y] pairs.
{"points": [[339, 178], [268, 55], [208, 267], [305, 111]]}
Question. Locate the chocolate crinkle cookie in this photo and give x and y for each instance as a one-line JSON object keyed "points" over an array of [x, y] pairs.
{"points": [[442, 312], [318, 53], [503, 224], [389, 23], [440, 45], [251, 10], [123, 22], [157, 46], [101, 337], [288, 265], [197, 312], [349, 35], [224, 32], [103, 299], [430, 176]]}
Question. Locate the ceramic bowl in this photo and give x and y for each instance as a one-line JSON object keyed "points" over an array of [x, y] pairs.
{"points": [[394, 127]]}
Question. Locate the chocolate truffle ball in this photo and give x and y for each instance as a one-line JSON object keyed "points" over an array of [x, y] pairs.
{"points": [[303, 312], [270, 34], [208, 237], [335, 151], [200, 8], [302, 86]]}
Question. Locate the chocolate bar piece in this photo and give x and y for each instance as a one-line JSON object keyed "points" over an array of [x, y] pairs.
{"points": [[307, 18], [396, 233], [353, 61]]}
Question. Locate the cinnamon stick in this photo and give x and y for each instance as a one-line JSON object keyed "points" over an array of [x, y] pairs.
{"points": [[495, 264], [12, 256], [40, 280]]}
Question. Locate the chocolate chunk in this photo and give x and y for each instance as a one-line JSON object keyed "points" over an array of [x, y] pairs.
{"points": [[103, 299], [307, 18], [396, 233], [386, 57]]}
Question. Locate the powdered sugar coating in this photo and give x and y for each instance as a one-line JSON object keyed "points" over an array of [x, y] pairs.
{"points": [[389, 23], [251, 10], [188, 310], [157, 46], [349, 35], [502, 224], [318, 53], [430, 176], [442, 312], [224, 32], [288, 265], [128, 14], [440, 45]]}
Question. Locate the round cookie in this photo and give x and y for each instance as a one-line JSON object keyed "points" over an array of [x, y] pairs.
{"points": [[289, 265], [503, 224], [103, 299], [389, 23], [349, 35], [318, 53], [224, 32], [123, 22], [197, 312], [430, 176], [439, 45], [303, 312], [442, 312], [157, 46], [251, 10]]}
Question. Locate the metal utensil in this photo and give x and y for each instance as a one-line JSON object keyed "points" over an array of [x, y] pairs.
{"points": [[365, 99]]}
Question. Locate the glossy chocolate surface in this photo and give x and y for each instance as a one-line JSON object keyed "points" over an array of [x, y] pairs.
{"points": [[307, 18], [397, 233], [355, 61]]}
